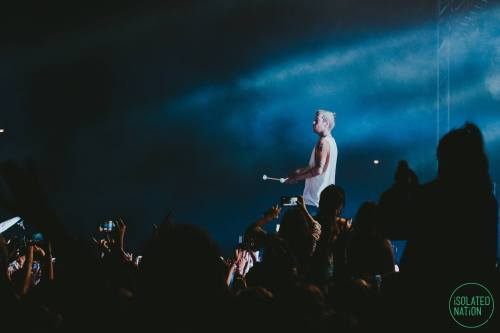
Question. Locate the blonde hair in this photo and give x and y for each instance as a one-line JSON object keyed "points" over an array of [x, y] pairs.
{"points": [[329, 117]]}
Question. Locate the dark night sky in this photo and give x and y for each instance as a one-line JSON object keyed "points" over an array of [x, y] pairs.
{"points": [[134, 110]]}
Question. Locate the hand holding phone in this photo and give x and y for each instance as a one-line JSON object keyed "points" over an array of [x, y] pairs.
{"points": [[107, 226], [34, 239], [289, 201]]}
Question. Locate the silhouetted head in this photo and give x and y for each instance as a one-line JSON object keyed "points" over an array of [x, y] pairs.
{"points": [[295, 230], [303, 302], [462, 159], [366, 217], [254, 299], [182, 261], [279, 264], [404, 175], [260, 303], [331, 201], [181, 281]]}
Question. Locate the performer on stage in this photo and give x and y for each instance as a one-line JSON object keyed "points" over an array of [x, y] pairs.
{"points": [[321, 169]]}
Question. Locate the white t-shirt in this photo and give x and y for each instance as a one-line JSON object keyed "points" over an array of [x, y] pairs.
{"points": [[315, 185]]}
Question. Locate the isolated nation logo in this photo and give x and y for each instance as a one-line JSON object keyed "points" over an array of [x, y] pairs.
{"points": [[471, 305]]}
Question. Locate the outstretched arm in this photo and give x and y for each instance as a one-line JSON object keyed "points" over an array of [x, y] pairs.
{"points": [[271, 214], [255, 233], [26, 271], [314, 225]]}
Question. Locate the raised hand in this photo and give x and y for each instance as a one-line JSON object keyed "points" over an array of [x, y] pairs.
{"points": [[128, 256], [300, 203], [292, 177], [39, 250], [273, 212], [120, 225], [243, 261]]}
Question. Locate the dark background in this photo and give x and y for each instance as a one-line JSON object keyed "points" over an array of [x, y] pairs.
{"points": [[135, 109]]}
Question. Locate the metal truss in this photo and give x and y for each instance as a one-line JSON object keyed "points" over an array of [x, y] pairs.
{"points": [[453, 17]]}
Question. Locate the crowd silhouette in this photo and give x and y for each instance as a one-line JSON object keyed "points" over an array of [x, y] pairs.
{"points": [[323, 273]]}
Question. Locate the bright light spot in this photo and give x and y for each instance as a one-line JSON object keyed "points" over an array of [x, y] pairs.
{"points": [[376, 162], [2, 130]]}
